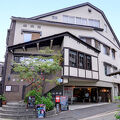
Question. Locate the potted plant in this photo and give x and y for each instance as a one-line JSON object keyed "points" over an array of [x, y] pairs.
{"points": [[3, 98]]}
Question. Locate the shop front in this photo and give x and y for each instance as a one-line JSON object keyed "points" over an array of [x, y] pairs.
{"points": [[87, 94]]}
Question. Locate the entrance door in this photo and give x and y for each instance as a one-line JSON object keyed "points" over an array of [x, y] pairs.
{"points": [[85, 94]]}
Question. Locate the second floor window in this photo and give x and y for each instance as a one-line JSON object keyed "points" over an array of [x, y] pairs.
{"points": [[73, 58], [81, 61], [114, 70], [88, 62], [107, 69]]}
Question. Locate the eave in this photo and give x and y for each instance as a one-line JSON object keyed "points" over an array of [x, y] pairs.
{"points": [[21, 45]]}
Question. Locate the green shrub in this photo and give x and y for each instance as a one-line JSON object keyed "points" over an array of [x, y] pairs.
{"points": [[47, 101], [3, 97], [41, 100], [32, 93]]}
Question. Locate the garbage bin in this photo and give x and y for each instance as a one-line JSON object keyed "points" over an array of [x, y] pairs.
{"points": [[40, 110], [57, 101]]}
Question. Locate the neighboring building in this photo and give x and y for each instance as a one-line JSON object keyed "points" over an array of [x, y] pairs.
{"points": [[1, 75], [90, 47]]}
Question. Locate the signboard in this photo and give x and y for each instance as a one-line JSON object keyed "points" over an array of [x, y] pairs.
{"points": [[64, 103], [41, 110], [31, 102]]}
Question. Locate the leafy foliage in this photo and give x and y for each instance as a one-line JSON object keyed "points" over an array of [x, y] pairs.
{"points": [[3, 97], [47, 101], [117, 114], [32, 93], [36, 69], [41, 100]]}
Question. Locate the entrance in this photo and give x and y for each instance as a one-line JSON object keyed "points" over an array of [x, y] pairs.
{"points": [[85, 94]]}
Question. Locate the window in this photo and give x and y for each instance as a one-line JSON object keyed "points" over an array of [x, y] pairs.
{"points": [[87, 40], [13, 88], [83, 21], [97, 45], [81, 61], [71, 19], [114, 70], [54, 17], [65, 18], [78, 20], [107, 69], [106, 50], [31, 36], [24, 25], [73, 58], [27, 37], [94, 23], [88, 62], [7, 88], [105, 27], [32, 26], [113, 53]]}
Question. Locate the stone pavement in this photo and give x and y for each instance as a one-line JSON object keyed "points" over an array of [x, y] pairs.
{"points": [[85, 105], [85, 113]]}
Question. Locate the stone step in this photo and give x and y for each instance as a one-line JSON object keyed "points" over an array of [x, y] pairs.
{"points": [[17, 116], [16, 104], [27, 111]]}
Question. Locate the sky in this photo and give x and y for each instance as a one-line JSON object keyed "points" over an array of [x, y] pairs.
{"points": [[29, 8]]}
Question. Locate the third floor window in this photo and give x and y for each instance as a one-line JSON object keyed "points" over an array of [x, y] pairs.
{"points": [[30, 36], [106, 50]]}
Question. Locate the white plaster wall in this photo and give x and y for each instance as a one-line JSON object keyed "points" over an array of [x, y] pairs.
{"points": [[81, 73], [66, 56], [73, 71], [95, 75], [88, 74], [94, 63], [66, 71]]}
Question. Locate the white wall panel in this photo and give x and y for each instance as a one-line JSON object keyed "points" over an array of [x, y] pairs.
{"points": [[88, 74], [94, 64], [81, 73], [73, 71], [95, 75]]}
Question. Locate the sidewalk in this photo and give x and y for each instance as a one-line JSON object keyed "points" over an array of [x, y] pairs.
{"points": [[85, 105]]}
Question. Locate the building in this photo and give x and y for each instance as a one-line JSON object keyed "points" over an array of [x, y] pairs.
{"points": [[1, 75], [90, 48]]}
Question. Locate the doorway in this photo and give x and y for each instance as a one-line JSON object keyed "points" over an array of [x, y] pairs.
{"points": [[85, 94]]}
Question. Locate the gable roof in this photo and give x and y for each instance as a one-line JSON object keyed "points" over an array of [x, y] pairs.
{"points": [[49, 38], [77, 6]]}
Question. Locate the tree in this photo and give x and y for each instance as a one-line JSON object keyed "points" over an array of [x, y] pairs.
{"points": [[35, 70]]}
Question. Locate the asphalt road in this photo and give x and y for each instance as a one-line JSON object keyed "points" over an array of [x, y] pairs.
{"points": [[103, 112]]}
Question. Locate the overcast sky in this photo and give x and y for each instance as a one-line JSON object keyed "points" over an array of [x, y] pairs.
{"points": [[29, 8]]}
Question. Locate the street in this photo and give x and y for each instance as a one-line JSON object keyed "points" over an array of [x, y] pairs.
{"points": [[103, 112]]}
